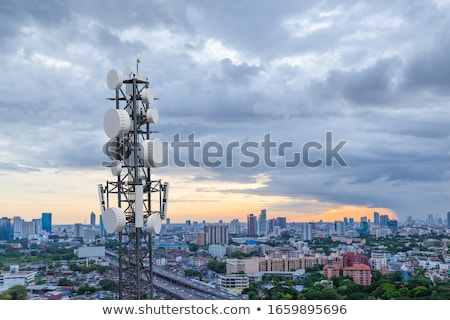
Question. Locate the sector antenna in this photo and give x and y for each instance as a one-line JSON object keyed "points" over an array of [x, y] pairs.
{"points": [[133, 203]]}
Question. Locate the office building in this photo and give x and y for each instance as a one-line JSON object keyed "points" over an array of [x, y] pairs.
{"points": [[92, 219], [306, 232], [17, 227], [262, 223], [6, 233], [384, 220], [252, 226], [376, 218], [448, 220], [216, 234], [47, 222], [78, 230]]}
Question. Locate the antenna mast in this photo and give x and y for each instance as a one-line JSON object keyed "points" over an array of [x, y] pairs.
{"points": [[135, 203]]}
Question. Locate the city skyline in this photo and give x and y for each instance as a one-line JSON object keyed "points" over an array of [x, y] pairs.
{"points": [[259, 223], [373, 76]]}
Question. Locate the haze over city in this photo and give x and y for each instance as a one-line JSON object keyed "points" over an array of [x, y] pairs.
{"points": [[374, 74]]}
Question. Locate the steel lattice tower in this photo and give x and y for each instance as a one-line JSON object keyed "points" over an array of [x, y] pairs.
{"points": [[133, 204]]}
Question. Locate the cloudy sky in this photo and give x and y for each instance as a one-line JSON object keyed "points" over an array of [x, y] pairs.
{"points": [[374, 74]]}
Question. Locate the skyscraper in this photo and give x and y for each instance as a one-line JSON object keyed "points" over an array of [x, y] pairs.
{"points": [[384, 220], [235, 227], [339, 228], [252, 226], [262, 223], [448, 220], [216, 234], [430, 219], [281, 222], [17, 227], [92, 219], [47, 222], [5, 229], [376, 218], [78, 230], [306, 232], [393, 225]]}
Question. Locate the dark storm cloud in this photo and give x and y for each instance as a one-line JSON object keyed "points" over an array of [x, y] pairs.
{"points": [[238, 74], [17, 14], [430, 68], [372, 85]]}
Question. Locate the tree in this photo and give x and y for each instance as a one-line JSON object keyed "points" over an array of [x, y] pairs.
{"points": [[108, 284], [17, 292], [321, 292], [217, 266], [384, 290], [193, 247], [65, 282]]}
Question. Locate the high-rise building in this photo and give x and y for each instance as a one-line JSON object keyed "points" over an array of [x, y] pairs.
{"points": [[27, 229], [376, 218], [37, 225], [47, 222], [448, 220], [6, 233], [430, 219], [306, 232], [393, 225], [409, 221], [78, 230], [270, 225], [339, 227], [350, 258], [281, 222], [235, 227], [201, 238], [384, 220], [262, 223], [216, 234], [252, 226], [92, 219], [359, 272], [17, 227]]}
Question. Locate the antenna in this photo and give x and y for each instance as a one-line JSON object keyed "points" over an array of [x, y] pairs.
{"points": [[136, 203]]}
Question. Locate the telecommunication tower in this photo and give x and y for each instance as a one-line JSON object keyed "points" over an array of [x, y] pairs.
{"points": [[133, 204]]}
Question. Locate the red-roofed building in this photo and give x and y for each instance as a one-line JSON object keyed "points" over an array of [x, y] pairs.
{"points": [[359, 272], [331, 270], [350, 258]]}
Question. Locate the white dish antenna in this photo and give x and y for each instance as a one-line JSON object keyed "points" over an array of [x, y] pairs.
{"points": [[114, 79], [114, 220], [117, 149], [147, 95], [128, 70], [116, 168], [116, 122], [154, 223], [152, 115], [152, 153]]}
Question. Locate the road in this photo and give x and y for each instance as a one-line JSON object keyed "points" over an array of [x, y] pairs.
{"points": [[184, 288]]}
